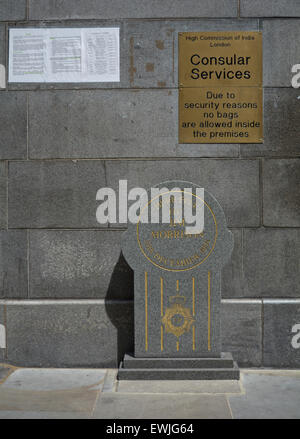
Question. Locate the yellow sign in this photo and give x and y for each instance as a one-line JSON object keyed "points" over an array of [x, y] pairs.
{"points": [[220, 115], [220, 79]]}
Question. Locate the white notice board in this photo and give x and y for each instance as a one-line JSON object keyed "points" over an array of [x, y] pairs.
{"points": [[64, 55]]}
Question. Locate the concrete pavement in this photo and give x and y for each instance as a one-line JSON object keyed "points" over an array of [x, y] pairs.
{"points": [[95, 393]]}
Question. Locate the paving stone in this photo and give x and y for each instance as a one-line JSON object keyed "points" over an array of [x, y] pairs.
{"points": [[125, 406], [3, 195], [281, 188], [270, 8], [282, 333], [271, 263], [55, 379], [281, 133], [78, 264], [13, 264], [241, 330], [134, 9], [13, 10], [277, 69], [267, 397], [233, 183], [13, 138], [69, 334], [4, 372], [54, 194]]}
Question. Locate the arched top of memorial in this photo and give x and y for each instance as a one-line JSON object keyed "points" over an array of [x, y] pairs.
{"points": [[161, 243]]}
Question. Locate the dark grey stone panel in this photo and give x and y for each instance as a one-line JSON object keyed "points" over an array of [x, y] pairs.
{"points": [[13, 264], [241, 330], [271, 263], [281, 50], [96, 124], [54, 194], [282, 333], [281, 125], [232, 273], [78, 264], [13, 127], [3, 195], [233, 183], [11, 10], [179, 374], [281, 193], [74, 9], [270, 8], [69, 335]]}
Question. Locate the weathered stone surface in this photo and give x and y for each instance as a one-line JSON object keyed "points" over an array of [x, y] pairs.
{"points": [[277, 69], [282, 333], [281, 188], [103, 123], [270, 8], [281, 133], [233, 183], [133, 9], [153, 47], [13, 10], [13, 137], [232, 273], [124, 406], [78, 264], [271, 263], [66, 335], [13, 264], [54, 194], [241, 330], [3, 195]]}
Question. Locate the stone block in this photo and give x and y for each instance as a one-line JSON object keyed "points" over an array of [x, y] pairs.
{"points": [[13, 264], [233, 183], [270, 8], [281, 51], [271, 263], [69, 335], [241, 330], [12, 10], [232, 273], [132, 124], [78, 264], [3, 195], [13, 128], [281, 133], [50, 10], [281, 187], [54, 194], [281, 333]]}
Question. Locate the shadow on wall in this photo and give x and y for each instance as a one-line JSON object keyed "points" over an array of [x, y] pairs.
{"points": [[119, 306]]}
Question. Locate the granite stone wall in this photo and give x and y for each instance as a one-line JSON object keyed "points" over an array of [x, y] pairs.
{"points": [[65, 291]]}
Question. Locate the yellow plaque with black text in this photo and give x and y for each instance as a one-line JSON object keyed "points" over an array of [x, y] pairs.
{"points": [[220, 94]]}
